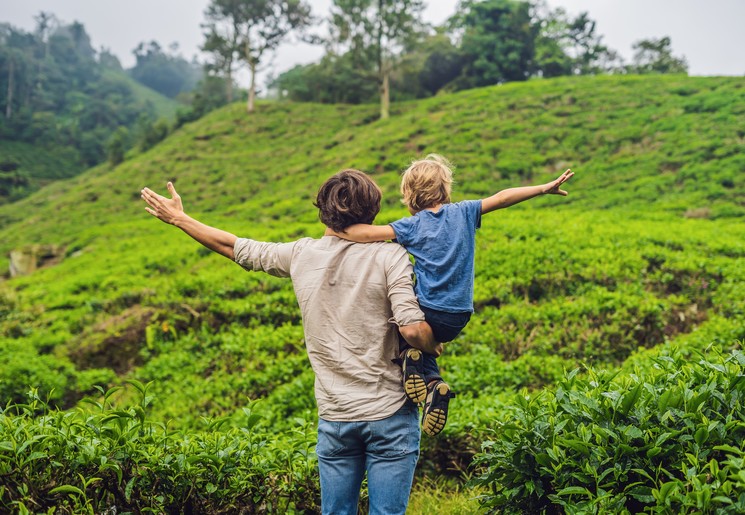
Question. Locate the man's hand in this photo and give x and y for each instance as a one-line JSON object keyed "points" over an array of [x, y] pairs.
{"points": [[553, 187], [171, 211], [166, 209]]}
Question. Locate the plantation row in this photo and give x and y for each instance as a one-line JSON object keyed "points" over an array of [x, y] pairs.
{"points": [[666, 438], [211, 335]]}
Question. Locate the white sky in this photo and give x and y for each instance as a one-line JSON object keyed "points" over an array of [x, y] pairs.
{"points": [[708, 33]]}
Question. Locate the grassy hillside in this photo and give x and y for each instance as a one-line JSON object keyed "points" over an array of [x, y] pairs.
{"points": [[25, 168], [644, 255], [163, 106]]}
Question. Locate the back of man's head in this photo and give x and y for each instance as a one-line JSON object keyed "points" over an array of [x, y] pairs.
{"points": [[347, 198]]}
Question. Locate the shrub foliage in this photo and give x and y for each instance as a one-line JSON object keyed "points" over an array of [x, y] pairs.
{"points": [[114, 460], [668, 439]]}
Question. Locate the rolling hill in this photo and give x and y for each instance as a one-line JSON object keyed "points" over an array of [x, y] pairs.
{"points": [[644, 255], [25, 167]]}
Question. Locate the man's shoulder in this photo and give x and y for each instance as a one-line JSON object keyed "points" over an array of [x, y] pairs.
{"points": [[339, 245], [392, 252], [295, 245], [388, 246], [304, 242], [381, 250]]}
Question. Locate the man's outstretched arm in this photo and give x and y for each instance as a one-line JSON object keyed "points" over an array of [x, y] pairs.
{"points": [[171, 211]]}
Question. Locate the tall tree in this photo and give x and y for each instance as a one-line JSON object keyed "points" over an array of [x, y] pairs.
{"points": [[221, 40], [569, 46], [168, 74], [374, 31], [498, 41], [45, 24], [17, 66], [427, 66], [250, 29], [656, 56]]}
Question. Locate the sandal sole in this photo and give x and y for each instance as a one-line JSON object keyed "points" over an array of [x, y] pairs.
{"points": [[436, 413], [414, 385]]}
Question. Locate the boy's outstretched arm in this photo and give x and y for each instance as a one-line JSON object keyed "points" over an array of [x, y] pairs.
{"points": [[364, 233], [512, 196], [171, 211]]}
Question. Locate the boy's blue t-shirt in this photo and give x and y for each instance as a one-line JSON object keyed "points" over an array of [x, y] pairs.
{"points": [[443, 245]]}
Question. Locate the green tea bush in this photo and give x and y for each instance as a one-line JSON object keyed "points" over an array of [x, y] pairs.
{"points": [[24, 368], [112, 460], [667, 438]]}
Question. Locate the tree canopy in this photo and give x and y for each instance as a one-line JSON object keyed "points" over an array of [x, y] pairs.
{"points": [[245, 31], [382, 47], [59, 95], [167, 74]]}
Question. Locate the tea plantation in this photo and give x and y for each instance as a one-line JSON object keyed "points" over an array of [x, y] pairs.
{"points": [[601, 373]]}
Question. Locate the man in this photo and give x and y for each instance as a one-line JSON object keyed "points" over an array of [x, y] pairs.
{"points": [[350, 296]]}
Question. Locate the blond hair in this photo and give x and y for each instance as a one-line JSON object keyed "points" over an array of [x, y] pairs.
{"points": [[427, 183]]}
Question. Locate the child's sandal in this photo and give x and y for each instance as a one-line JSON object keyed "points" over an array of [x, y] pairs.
{"points": [[413, 375], [435, 414]]}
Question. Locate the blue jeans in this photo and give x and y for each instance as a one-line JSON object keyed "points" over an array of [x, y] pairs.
{"points": [[386, 449]]}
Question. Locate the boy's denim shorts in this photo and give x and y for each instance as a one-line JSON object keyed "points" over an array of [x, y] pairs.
{"points": [[445, 326]]}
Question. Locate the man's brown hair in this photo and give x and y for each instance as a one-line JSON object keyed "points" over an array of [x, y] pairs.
{"points": [[347, 198]]}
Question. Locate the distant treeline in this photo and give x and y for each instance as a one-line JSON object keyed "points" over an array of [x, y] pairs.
{"points": [[63, 102], [383, 48], [61, 98], [485, 42]]}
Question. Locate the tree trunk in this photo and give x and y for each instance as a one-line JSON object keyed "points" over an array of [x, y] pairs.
{"points": [[382, 71], [11, 86], [385, 97], [252, 89], [229, 84]]}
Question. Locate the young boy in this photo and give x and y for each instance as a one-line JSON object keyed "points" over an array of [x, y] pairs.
{"points": [[441, 237]]}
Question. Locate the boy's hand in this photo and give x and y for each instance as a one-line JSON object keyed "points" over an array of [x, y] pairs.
{"points": [[165, 209], [553, 187]]}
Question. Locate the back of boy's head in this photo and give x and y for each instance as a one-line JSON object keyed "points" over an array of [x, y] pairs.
{"points": [[427, 183]]}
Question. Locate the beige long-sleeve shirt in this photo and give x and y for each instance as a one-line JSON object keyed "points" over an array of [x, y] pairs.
{"points": [[352, 297]]}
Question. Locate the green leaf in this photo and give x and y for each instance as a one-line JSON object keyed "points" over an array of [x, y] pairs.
{"points": [[729, 449], [630, 399], [128, 489], [698, 400], [662, 438], [642, 493], [665, 490], [574, 490], [543, 459], [701, 435], [137, 384], [252, 420], [67, 489], [654, 451], [722, 499], [577, 445], [633, 432]]}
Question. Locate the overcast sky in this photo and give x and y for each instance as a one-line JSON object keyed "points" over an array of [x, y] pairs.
{"points": [[708, 33]]}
